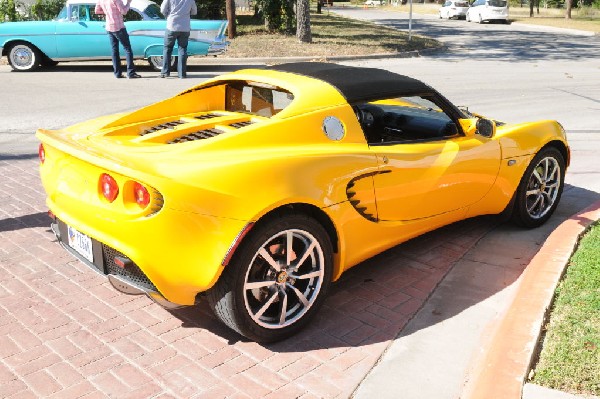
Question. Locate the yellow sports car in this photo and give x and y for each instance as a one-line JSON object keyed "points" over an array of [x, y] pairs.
{"points": [[260, 187]]}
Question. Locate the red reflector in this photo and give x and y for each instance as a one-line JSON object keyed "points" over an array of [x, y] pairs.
{"points": [[109, 187], [51, 215], [141, 194], [122, 262], [42, 153]]}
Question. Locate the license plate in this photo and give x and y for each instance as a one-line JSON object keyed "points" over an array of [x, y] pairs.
{"points": [[81, 243]]}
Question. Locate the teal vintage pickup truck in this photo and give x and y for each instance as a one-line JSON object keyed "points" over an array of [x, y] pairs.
{"points": [[78, 34]]}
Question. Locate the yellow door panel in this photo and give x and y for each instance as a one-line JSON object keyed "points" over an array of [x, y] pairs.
{"points": [[420, 180]]}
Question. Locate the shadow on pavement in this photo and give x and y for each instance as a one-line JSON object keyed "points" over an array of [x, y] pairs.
{"points": [[374, 301], [499, 42], [39, 219], [195, 68], [15, 157]]}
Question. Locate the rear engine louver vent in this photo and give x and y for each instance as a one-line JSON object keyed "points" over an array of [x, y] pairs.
{"points": [[167, 125], [207, 116], [241, 124], [199, 135]]}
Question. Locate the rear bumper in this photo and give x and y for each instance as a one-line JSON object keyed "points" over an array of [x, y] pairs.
{"points": [[129, 280]]}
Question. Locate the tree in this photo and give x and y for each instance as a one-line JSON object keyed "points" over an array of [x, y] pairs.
{"points": [[8, 11], [230, 11], [277, 14], [303, 21], [568, 6]]}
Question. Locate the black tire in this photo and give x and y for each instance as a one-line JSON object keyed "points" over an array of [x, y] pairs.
{"points": [[540, 189], [156, 63], [24, 57], [262, 281], [48, 62]]}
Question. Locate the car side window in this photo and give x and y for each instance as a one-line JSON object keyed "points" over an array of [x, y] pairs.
{"points": [[92, 14], [404, 119], [132, 15]]}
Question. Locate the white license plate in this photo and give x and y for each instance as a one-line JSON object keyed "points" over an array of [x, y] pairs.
{"points": [[81, 243]]}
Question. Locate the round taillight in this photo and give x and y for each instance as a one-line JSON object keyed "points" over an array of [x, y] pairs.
{"points": [[109, 187], [141, 194], [42, 153]]}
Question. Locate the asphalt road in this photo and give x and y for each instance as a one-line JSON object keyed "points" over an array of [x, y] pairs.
{"points": [[508, 72]]}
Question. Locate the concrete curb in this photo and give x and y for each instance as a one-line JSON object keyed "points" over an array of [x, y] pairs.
{"points": [[200, 60], [502, 369]]}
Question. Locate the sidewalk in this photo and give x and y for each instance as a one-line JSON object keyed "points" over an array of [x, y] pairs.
{"points": [[484, 350]]}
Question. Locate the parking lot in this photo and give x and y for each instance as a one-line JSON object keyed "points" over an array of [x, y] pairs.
{"points": [[65, 332]]}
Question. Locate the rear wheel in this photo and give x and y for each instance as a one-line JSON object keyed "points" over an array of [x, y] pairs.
{"points": [[156, 62], [540, 189], [24, 57], [277, 279]]}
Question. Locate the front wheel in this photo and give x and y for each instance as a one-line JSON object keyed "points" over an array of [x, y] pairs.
{"points": [[156, 62], [24, 57], [276, 280], [540, 189]]}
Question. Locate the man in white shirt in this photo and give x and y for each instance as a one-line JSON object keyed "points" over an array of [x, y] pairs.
{"points": [[178, 13]]}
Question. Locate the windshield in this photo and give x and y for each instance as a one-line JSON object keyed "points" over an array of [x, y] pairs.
{"points": [[497, 3], [461, 4], [62, 15], [153, 12]]}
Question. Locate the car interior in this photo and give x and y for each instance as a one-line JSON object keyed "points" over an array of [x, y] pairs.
{"points": [[404, 120]]}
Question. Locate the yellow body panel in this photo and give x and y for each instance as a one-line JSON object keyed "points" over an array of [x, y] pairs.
{"points": [[204, 192]]}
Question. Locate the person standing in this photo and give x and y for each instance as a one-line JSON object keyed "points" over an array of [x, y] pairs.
{"points": [[115, 27], [178, 13]]}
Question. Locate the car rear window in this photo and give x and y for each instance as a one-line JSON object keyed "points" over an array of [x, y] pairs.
{"points": [[461, 4], [497, 3], [256, 98]]}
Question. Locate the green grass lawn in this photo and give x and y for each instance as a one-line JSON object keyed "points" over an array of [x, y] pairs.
{"points": [[332, 35], [570, 355]]}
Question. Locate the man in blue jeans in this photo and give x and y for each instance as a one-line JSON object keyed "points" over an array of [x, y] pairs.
{"points": [[115, 27], [178, 13]]}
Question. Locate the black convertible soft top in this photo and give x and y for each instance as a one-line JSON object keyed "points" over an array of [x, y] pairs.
{"points": [[356, 83]]}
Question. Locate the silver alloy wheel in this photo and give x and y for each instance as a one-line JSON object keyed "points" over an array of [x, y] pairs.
{"points": [[22, 57], [543, 187], [284, 278]]}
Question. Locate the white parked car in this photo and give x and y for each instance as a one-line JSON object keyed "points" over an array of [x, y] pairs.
{"points": [[488, 10], [454, 9]]}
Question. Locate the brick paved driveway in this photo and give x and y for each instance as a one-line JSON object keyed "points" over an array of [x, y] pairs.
{"points": [[65, 332]]}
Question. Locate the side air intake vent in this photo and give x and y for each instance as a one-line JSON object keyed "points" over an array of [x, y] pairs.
{"points": [[199, 135], [167, 125], [238, 125]]}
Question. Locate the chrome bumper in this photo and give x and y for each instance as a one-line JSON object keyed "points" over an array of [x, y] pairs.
{"points": [[217, 48]]}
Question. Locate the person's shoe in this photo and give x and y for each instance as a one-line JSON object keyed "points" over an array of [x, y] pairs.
{"points": [[183, 77], [133, 76], [164, 75], [119, 76]]}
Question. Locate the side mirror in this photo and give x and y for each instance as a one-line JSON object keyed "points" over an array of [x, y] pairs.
{"points": [[486, 127], [468, 126]]}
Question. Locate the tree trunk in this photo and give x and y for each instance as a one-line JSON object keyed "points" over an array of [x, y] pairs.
{"points": [[568, 6], [531, 8], [230, 11], [303, 21]]}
